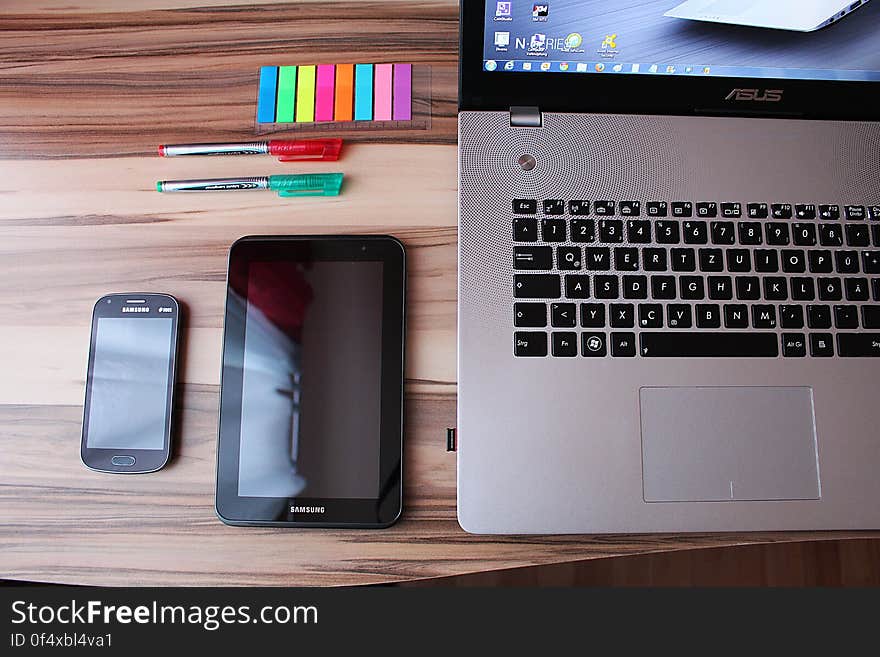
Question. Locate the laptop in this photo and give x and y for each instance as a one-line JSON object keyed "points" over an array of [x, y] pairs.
{"points": [[799, 15], [669, 272]]}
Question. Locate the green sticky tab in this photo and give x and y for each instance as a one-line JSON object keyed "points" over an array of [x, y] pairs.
{"points": [[286, 94]]}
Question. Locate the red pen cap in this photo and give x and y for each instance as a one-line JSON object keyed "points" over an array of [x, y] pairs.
{"points": [[326, 150]]}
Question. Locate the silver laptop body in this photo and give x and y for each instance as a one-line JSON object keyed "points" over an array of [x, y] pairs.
{"points": [[693, 405]]}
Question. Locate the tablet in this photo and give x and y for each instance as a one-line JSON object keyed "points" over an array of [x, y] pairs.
{"points": [[311, 401]]}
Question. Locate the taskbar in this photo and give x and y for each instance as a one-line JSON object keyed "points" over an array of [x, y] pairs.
{"points": [[641, 68]]}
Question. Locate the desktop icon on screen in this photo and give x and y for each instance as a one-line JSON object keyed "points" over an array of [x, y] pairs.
{"points": [[508, 66], [610, 42], [527, 66], [563, 66], [653, 68], [538, 43], [545, 66], [617, 68], [502, 39], [491, 65], [582, 67], [635, 68], [600, 67], [502, 9], [573, 41], [540, 11]]}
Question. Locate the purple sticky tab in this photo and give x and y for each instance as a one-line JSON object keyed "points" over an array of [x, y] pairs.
{"points": [[402, 92]]}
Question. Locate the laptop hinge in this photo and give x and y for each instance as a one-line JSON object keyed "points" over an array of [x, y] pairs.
{"points": [[525, 117]]}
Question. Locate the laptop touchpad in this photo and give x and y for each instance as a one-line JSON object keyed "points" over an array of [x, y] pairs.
{"points": [[731, 443]]}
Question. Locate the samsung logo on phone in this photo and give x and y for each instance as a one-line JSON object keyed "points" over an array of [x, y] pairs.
{"points": [[135, 309], [307, 509]]}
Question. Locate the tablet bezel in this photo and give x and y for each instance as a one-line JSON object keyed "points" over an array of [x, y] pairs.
{"points": [[385, 509]]}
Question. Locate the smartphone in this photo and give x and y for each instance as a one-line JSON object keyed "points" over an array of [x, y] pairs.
{"points": [[130, 383]]}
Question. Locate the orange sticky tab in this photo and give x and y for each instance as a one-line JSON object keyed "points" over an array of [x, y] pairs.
{"points": [[344, 105]]}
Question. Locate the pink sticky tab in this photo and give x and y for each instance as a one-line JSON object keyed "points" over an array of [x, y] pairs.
{"points": [[324, 92], [382, 97], [403, 92]]}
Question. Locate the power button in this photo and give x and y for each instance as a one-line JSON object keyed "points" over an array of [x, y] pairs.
{"points": [[122, 460]]}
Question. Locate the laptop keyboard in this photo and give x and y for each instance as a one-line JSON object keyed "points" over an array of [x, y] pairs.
{"points": [[695, 279]]}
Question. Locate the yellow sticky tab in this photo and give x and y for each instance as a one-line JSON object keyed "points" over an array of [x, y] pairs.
{"points": [[305, 94]]}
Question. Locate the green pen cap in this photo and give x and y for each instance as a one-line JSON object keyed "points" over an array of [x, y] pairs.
{"points": [[306, 184]]}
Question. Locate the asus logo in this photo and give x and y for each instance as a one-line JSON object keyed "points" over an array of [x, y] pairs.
{"points": [[307, 509], [135, 309], [756, 95]]}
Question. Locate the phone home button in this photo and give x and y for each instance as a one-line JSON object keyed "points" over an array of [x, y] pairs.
{"points": [[122, 460]]}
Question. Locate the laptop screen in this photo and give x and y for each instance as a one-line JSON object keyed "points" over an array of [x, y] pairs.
{"points": [[780, 39]]}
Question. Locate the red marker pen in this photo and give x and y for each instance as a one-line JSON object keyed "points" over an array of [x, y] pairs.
{"points": [[326, 150]]}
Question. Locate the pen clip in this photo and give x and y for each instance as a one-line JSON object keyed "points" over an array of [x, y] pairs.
{"points": [[317, 184], [322, 150]]}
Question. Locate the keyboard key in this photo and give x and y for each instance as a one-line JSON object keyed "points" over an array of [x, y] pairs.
{"points": [[553, 230], [635, 287], [777, 234], [565, 345], [695, 232], [830, 289], [791, 317], [682, 209], [668, 232], [803, 289], [764, 316], [610, 230], [651, 315], [775, 288], [766, 261], [692, 288], [723, 232], [820, 262], [639, 231], [748, 288], [739, 260], [794, 261], [875, 234], [750, 233], [554, 206], [579, 208], [532, 257], [736, 316], [720, 288], [530, 344], [630, 208], [859, 345], [830, 235], [593, 315], [663, 287], [537, 286], [623, 345], [657, 208], [794, 345], [711, 260], [708, 345], [875, 284], [847, 262], [563, 315], [855, 212], [623, 315], [821, 345], [707, 210], [654, 259], [871, 261], [874, 212], [807, 211], [819, 317], [757, 210], [598, 258], [781, 210], [530, 315], [525, 206], [603, 208], [577, 286], [678, 316], [858, 235], [731, 210], [804, 234], [708, 316], [583, 230], [525, 230], [684, 260], [607, 287], [568, 257], [846, 317], [856, 289], [594, 345], [871, 317], [626, 259], [829, 212]]}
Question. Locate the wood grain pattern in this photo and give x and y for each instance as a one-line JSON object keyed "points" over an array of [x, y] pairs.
{"points": [[87, 91]]}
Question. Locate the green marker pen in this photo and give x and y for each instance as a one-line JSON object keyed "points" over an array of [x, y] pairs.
{"points": [[302, 184]]}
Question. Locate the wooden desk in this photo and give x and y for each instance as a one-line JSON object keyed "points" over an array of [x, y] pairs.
{"points": [[87, 91]]}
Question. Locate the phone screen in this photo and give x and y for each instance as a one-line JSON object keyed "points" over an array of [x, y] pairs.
{"points": [[129, 384]]}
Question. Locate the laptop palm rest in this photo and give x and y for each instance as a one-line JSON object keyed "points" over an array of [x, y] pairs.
{"points": [[728, 443]]}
